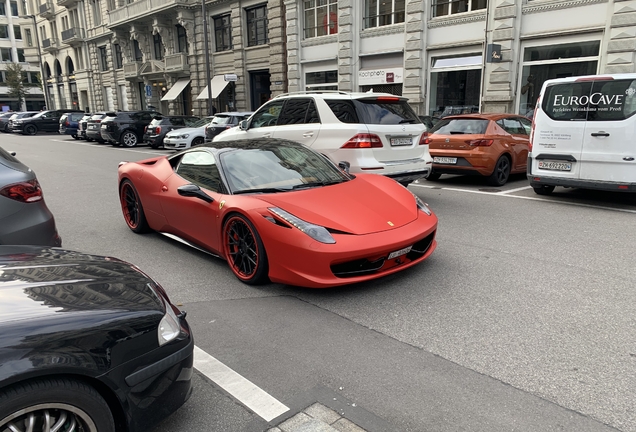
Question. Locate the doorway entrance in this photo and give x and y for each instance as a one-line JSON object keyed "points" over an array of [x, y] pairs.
{"points": [[259, 83]]}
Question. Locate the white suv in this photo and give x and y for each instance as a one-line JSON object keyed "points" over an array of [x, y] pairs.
{"points": [[374, 132]]}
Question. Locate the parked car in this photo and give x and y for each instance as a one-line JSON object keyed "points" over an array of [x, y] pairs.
{"points": [[18, 116], [89, 343], [126, 127], [25, 218], [374, 132], [187, 137], [69, 124], [490, 145], [429, 121], [280, 211], [4, 121], [83, 124], [160, 125], [583, 134], [44, 121], [93, 129], [223, 121]]}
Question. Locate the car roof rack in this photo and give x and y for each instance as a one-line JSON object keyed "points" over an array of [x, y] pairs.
{"points": [[302, 92]]}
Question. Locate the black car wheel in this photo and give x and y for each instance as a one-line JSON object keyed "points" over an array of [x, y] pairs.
{"points": [[197, 141], [543, 189], [132, 209], [129, 139], [75, 137], [54, 405], [30, 129], [433, 176], [244, 250], [500, 175]]}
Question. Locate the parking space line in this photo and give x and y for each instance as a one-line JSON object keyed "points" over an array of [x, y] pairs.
{"points": [[515, 190], [246, 392], [102, 146], [527, 198]]}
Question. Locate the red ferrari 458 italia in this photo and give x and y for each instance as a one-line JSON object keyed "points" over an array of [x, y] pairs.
{"points": [[277, 210]]}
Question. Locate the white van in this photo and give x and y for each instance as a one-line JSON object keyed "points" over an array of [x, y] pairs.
{"points": [[584, 134]]}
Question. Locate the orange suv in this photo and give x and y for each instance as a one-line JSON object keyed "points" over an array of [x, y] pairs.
{"points": [[491, 145]]}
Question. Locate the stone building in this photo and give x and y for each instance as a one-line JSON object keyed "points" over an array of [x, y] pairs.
{"points": [[455, 56], [14, 45], [149, 54]]}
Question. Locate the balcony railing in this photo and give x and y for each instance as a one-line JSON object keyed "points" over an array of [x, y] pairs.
{"points": [[153, 67], [72, 36], [141, 8], [46, 10], [131, 70], [67, 3], [50, 45], [177, 63]]}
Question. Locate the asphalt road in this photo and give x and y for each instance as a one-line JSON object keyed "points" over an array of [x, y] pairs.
{"points": [[522, 319]]}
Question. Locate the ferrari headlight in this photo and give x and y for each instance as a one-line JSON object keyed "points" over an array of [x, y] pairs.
{"points": [[169, 327], [316, 232], [421, 205]]}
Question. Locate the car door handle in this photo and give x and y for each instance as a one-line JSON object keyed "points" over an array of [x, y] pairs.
{"points": [[600, 134], [628, 159], [308, 134]]}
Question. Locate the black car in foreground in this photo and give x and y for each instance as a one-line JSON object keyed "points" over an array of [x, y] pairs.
{"points": [[160, 125], [19, 116], [126, 128], [87, 343]]}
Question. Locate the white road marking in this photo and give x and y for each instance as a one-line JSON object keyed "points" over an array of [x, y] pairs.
{"points": [[239, 387], [527, 198], [515, 190], [109, 147]]}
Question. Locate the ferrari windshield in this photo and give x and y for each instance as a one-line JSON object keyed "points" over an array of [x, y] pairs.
{"points": [[278, 169]]}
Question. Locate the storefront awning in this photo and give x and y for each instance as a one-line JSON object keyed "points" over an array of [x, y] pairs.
{"points": [[218, 84], [176, 90]]}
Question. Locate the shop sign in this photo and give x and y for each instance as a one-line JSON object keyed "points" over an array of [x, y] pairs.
{"points": [[380, 76], [493, 53], [230, 77]]}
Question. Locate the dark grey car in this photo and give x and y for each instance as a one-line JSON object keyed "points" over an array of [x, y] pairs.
{"points": [[24, 217]]}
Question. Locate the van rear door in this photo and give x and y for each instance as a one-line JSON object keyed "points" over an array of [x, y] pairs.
{"points": [[609, 144]]}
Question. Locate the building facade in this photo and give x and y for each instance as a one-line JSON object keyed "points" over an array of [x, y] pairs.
{"points": [[16, 38], [446, 56], [456, 56]]}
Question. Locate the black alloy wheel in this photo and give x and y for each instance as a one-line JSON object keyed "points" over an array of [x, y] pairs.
{"points": [[500, 175]]}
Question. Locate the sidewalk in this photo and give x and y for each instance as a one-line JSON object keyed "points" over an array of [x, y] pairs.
{"points": [[317, 418]]}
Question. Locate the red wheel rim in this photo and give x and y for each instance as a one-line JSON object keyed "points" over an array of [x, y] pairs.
{"points": [[130, 205], [241, 248]]}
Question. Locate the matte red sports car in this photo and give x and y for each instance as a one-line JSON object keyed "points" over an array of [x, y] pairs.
{"points": [[276, 209]]}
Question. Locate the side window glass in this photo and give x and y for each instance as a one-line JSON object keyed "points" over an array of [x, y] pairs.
{"points": [[343, 110], [199, 167], [527, 126], [267, 115], [294, 111], [512, 126], [178, 122], [612, 100], [312, 113]]}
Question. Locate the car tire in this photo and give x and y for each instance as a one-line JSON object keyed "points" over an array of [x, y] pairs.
{"points": [[433, 176], [55, 398], [75, 137], [89, 139], [129, 139], [500, 175], [543, 189], [30, 130], [197, 141], [132, 208], [244, 250]]}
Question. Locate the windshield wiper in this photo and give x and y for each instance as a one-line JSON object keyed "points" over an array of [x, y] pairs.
{"points": [[457, 133], [406, 121], [316, 184], [261, 190]]}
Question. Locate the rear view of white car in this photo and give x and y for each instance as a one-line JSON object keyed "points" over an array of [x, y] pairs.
{"points": [[374, 132], [186, 137], [583, 134]]}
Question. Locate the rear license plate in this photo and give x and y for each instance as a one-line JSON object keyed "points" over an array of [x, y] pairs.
{"points": [[400, 252], [555, 166], [445, 160], [401, 141], [92, 126]]}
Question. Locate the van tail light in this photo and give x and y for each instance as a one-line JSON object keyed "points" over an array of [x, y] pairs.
{"points": [[480, 142], [425, 139], [534, 116], [26, 192], [363, 140]]}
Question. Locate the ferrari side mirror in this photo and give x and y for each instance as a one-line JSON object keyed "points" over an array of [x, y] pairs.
{"points": [[191, 190]]}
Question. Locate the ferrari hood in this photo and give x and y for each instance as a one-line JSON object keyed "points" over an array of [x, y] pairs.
{"points": [[362, 206]]}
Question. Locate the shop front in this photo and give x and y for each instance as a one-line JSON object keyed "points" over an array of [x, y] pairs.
{"points": [[455, 84]]}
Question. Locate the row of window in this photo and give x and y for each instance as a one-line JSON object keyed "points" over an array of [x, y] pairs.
{"points": [[4, 31], [14, 8], [7, 56], [28, 78]]}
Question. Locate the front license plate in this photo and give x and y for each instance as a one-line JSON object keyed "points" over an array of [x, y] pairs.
{"points": [[400, 252], [401, 141], [555, 166], [444, 160]]}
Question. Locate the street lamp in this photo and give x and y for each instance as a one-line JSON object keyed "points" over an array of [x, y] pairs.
{"points": [[37, 40], [207, 57]]}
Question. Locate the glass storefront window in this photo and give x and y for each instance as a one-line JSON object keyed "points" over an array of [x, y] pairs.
{"points": [[454, 92], [546, 62], [323, 80]]}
